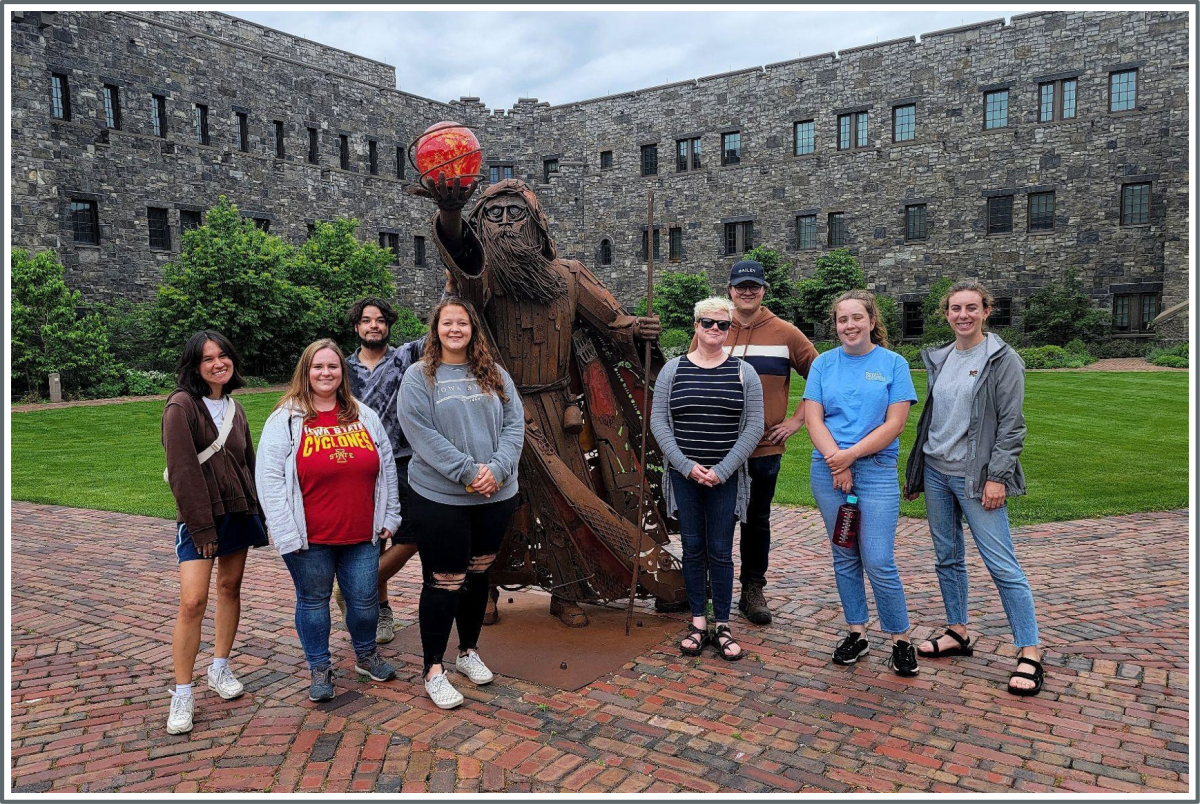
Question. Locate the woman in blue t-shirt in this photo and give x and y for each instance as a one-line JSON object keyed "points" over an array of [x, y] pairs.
{"points": [[858, 397]]}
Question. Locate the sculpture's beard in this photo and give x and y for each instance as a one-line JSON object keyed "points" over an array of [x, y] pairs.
{"points": [[519, 269]]}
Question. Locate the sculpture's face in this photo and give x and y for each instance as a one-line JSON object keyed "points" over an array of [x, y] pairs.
{"points": [[506, 215]]}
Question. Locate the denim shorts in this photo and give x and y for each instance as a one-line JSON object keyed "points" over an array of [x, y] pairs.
{"points": [[235, 532]]}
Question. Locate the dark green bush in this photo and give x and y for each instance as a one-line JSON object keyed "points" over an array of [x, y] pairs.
{"points": [[1060, 312], [408, 327], [1121, 347], [937, 328], [1052, 357], [911, 353], [780, 298], [675, 296], [1172, 357], [674, 342], [836, 272], [1170, 361]]}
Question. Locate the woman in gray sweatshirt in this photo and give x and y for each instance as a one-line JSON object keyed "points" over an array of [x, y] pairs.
{"points": [[463, 417]]}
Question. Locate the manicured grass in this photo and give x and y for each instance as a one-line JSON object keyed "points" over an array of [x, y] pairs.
{"points": [[1099, 443]]}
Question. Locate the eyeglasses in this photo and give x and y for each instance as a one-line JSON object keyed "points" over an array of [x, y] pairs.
{"points": [[495, 214], [709, 323], [748, 287]]}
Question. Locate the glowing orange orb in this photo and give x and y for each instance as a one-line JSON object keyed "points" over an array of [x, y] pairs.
{"points": [[450, 149]]}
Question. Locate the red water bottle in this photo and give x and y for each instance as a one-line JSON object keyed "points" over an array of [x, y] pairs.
{"points": [[845, 529]]}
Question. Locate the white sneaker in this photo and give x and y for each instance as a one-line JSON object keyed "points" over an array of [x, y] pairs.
{"points": [[180, 719], [224, 683], [473, 668], [442, 692]]}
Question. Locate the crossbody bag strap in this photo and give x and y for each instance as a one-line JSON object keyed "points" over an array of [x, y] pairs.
{"points": [[222, 433]]}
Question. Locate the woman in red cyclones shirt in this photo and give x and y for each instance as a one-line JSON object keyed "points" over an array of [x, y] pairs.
{"points": [[327, 464]]}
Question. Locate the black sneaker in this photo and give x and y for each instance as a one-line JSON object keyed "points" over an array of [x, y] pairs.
{"points": [[904, 659], [851, 648]]}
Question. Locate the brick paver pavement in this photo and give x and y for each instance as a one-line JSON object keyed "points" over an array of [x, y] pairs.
{"points": [[94, 593]]}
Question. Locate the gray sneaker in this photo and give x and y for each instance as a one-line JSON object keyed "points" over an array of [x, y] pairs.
{"points": [[321, 688], [385, 626], [373, 665]]}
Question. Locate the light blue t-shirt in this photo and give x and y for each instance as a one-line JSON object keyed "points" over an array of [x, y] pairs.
{"points": [[855, 391]]}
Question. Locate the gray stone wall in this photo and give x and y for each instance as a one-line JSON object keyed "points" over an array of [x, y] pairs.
{"points": [[953, 165]]}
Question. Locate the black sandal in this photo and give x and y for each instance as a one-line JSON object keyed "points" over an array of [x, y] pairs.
{"points": [[723, 639], [1036, 677], [699, 637], [964, 647]]}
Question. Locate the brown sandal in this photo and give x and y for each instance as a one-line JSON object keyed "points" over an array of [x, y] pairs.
{"points": [[964, 647]]}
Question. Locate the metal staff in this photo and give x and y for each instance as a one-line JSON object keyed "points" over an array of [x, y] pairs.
{"points": [[641, 528]]}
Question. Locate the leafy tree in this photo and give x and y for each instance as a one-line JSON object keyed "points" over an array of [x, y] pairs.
{"points": [[1061, 312], [233, 277], [48, 335], [341, 269], [781, 297], [408, 327], [836, 272], [937, 329], [890, 317], [675, 297]]}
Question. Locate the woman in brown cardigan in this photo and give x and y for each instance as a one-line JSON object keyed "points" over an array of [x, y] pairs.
{"points": [[218, 515]]}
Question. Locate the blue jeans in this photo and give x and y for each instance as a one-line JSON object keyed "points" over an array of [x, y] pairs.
{"points": [[946, 502], [706, 520], [878, 489], [357, 569]]}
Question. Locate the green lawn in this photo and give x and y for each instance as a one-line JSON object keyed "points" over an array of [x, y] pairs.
{"points": [[1099, 443]]}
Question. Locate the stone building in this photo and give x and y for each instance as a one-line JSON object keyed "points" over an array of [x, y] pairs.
{"points": [[1007, 151]]}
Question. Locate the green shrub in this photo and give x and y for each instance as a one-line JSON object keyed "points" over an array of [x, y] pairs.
{"points": [[134, 335], [780, 297], [911, 353], [675, 296], [1052, 357], [408, 327], [1121, 347], [890, 317], [148, 383], [48, 335], [1170, 361], [1060, 312], [1012, 336], [1172, 357], [257, 382], [1077, 347], [937, 328], [824, 346], [836, 272], [675, 342]]}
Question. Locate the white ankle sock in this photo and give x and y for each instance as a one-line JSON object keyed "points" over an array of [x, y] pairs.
{"points": [[219, 664], [183, 690]]}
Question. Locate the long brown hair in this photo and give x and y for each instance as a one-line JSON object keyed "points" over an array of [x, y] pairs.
{"points": [[480, 357], [879, 333], [299, 393]]}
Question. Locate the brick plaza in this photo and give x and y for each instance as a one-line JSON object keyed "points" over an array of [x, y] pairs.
{"points": [[94, 596]]}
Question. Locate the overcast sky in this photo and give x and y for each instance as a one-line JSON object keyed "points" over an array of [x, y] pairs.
{"points": [[563, 56]]}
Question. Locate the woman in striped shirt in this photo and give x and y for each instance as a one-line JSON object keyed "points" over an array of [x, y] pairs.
{"points": [[707, 419]]}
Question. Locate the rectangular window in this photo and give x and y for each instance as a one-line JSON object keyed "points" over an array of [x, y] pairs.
{"points": [[657, 245], [279, 150], [731, 148], [904, 123], [400, 161], [85, 222], [1041, 212], [112, 107], [344, 151], [160, 230], [1135, 204], [1133, 312], [999, 214], [549, 168], [837, 229], [262, 224], [852, 131], [687, 154], [1056, 100], [373, 156], [391, 242], [1001, 315], [739, 237], [60, 97], [915, 226], [158, 115], [200, 120], [804, 138], [189, 219], [995, 109], [1122, 91], [605, 160], [914, 320], [418, 250], [675, 243], [506, 171], [806, 231], [494, 174], [649, 160], [243, 123], [313, 152], [310, 229]]}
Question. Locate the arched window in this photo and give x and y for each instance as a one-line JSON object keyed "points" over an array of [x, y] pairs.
{"points": [[606, 252]]}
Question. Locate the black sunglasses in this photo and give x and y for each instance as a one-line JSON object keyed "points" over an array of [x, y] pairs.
{"points": [[495, 214], [708, 323]]}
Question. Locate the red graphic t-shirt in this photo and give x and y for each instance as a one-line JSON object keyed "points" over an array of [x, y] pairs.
{"points": [[337, 464]]}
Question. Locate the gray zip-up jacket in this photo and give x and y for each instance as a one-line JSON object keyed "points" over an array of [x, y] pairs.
{"points": [[996, 434], [662, 425], [279, 486]]}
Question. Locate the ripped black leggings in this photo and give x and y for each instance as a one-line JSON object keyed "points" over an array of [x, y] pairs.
{"points": [[457, 544]]}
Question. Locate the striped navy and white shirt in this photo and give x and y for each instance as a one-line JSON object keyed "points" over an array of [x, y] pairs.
{"points": [[706, 408]]}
